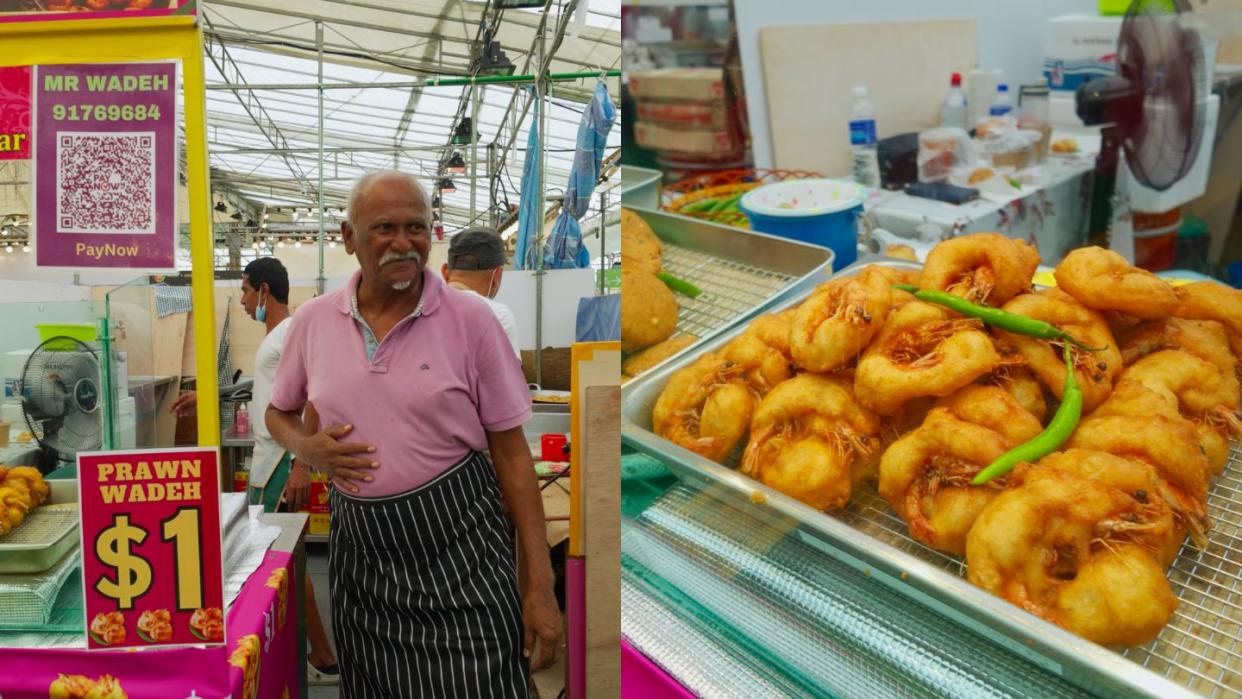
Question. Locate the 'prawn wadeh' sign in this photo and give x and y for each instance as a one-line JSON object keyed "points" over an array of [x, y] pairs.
{"points": [[152, 569]]}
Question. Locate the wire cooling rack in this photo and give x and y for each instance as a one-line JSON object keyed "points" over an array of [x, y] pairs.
{"points": [[1201, 647], [730, 289]]}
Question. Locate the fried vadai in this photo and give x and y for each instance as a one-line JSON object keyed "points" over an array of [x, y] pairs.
{"points": [[984, 268], [805, 438], [644, 359], [648, 310], [1104, 281], [640, 248]]}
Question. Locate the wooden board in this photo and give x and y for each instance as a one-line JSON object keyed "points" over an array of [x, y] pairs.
{"points": [[808, 72], [602, 503]]}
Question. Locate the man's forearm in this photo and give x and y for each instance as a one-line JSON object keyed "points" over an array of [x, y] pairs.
{"points": [[526, 510], [516, 473], [286, 428]]}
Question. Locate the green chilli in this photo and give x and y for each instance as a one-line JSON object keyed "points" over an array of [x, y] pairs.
{"points": [[1063, 424], [681, 286], [998, 318]]}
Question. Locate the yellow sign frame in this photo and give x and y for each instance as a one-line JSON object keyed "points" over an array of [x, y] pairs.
{"points": [[150, 39]]}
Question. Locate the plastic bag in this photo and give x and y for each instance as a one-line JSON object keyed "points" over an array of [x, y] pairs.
{"points": [[941, 150]]}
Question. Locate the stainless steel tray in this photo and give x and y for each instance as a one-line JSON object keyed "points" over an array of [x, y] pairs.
{"points": [[640, 186], [740, 272], [44, 535], [1198, 653]]}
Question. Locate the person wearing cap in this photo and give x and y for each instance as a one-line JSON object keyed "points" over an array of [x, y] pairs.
{"points": [[476, 261], [413, 383]]}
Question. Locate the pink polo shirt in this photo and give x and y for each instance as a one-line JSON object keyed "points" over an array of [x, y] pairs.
{"points": [[438, 381]]}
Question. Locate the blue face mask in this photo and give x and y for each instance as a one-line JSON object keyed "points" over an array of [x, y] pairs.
{"points": [[260, 313]]}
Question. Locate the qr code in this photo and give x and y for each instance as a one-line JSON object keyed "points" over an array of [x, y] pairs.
{"points": [[105, 182]]}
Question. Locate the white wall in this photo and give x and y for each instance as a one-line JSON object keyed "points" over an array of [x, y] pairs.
{"points": [[1011, 38]]}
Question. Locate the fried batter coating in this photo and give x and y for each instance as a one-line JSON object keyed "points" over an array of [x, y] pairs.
{"points": [[705, 407], [995, 409], [805, 438], [985, 268], [648, 310], [1156, 524], [1061, 547], [640, 248], [897, 275], [901, 251], [926, 474], [1020, 383], [764, 366], [1213, 301], [922, 350], [839, 320], [1170, 445], [1095, 371], [644, 359], [1197, 386], [773, 329], [1103, 280]]}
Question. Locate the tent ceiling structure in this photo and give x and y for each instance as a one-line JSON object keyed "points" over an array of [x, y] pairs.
{"points": [[262, 67]]}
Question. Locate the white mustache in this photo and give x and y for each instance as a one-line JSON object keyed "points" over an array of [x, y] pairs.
{"points": [[398, 257]]}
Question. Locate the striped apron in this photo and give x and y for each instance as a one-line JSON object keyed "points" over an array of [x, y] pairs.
{"points": [[424, 592]]}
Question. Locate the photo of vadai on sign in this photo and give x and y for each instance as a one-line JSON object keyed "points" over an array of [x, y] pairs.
{"points": [[105, 166]]}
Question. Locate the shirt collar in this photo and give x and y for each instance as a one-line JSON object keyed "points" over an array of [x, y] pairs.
{"points": [[433, 288]]}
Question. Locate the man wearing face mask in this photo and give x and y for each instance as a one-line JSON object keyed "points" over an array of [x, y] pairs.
{"points": [[476, 260], [277, 481]]}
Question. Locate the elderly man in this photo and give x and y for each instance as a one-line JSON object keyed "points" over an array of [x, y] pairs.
{"points": [[413, 382], [476, 261]]}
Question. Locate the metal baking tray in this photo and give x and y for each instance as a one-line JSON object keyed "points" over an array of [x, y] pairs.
{"points": [[640, 186], [1199, 653], [740, 272], [28, 600], [44, 535]]}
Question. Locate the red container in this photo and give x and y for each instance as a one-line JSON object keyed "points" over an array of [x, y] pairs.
{"points": [[552, 447]]}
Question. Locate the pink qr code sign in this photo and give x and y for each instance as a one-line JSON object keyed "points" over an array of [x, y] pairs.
{"points": [[105, 182]]}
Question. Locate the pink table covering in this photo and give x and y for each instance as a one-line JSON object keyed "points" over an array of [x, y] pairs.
{"points": [[259, 659], [643, 679]]}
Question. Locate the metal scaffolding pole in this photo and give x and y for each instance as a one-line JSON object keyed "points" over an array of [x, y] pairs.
{"points": [[603, 249], [540, 93], [410, 84], [474, 149], [320, 281]]}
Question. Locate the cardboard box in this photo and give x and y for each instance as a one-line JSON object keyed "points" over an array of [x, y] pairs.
{"points": [[1080, 48], [694, 115], [680, 84], [708, 142]]}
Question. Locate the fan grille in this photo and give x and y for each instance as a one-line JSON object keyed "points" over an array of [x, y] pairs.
{"points": [[62, 398]]}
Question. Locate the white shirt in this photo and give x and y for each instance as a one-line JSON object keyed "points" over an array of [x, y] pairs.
{"points": [[507, 320], [267, 453]]}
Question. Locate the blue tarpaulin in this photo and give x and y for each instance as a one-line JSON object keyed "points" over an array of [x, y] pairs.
{"points": [[530, 218], [599, 319], [564, 249]]}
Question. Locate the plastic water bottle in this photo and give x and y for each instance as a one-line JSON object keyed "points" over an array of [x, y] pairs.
{"points": [[863, 140], [241, 421], [1002, 105], [953, 110]]}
